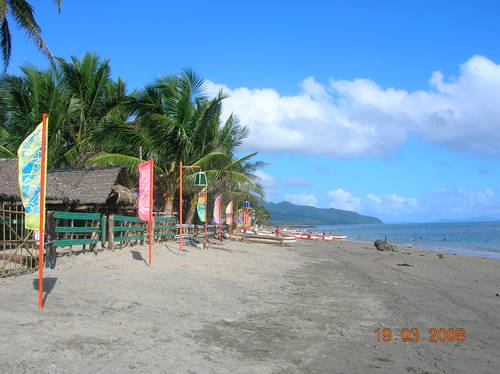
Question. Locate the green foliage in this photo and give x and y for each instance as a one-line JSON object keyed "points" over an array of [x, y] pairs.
{"points": [[82, 101], [93, 121], [22, 12], [176, 121], [288, 213], [262, 215]]}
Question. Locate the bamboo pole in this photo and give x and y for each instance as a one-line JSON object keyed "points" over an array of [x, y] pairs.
{"points": [[206, 217], [150, 226], [180, 207], [42, 211]]}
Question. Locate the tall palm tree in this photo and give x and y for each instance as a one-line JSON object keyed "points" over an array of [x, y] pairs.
{"points": [[97, 103], [23, 14], [175, 121]]}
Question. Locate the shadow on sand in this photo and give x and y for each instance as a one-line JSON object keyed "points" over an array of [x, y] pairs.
{"points": [[48, 286], [136, 255]]}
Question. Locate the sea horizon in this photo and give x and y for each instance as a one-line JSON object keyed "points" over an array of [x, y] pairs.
{"points": [[477, 239]]}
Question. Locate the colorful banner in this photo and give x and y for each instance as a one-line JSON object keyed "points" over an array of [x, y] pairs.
{"points": [[30, 170], [229, 213], [240, 217], [217, 210], [201, 206], [248, 216], [145, 180]]}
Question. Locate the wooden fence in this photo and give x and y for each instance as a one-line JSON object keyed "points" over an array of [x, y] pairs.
{"points": [[165, 228], [125, 230], [69, 229], [17, 246], [69, 232]]}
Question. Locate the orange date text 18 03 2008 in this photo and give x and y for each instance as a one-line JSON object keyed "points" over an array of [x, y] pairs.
{"points": [[414, 335]]}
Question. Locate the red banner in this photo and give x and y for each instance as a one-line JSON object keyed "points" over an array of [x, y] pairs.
{"points": [[145, 188]]}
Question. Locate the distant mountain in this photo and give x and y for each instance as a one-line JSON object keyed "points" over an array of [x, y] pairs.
{"points": [[288, 213]]}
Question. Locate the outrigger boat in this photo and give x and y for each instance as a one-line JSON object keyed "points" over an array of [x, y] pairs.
{"points": [[263, 238], [313, 236]]}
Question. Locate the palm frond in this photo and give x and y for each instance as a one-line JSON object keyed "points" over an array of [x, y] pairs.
{"points": [[22, 12], [114, 159], [6, 153], [5, 42]]}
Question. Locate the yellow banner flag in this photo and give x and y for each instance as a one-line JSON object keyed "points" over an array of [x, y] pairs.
{"points": [[202, 202], [30, 170]]}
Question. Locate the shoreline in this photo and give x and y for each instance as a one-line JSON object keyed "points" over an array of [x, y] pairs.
{"points": [[478, 239], [455, 252], [245, 308]]}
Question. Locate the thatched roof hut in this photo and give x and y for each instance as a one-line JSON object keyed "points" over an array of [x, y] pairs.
{"points": [[77, 187]]}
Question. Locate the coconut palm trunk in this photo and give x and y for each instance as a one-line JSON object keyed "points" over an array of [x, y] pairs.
{"points": [[192, 209]]}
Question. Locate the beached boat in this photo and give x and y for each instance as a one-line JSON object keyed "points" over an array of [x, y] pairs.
{"points": [[312, 236], [264, 239], [339, 237]]}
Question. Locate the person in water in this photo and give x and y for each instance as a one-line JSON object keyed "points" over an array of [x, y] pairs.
{"points": [[277, 231]]}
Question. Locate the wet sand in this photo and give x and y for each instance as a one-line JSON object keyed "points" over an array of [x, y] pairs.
{"points": [[248, 308]]}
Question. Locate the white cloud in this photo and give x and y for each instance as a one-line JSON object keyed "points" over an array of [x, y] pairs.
{"points": [[302, 199], [374, 198], [390, 204], [360, 118], [462, 203], [297, 182], [268, 182], [386, 206], [342, 199]]}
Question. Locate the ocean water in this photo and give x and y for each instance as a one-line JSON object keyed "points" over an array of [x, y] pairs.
{"points": [[469, 239]]}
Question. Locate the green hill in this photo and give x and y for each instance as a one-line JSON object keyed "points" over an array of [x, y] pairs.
{"points": [[288, 213]]}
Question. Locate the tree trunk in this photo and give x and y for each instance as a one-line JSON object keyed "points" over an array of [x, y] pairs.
{"points": [[192, 209], [169, 203]]}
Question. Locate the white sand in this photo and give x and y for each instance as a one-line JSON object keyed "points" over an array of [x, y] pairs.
{"points": [[247, 308]]}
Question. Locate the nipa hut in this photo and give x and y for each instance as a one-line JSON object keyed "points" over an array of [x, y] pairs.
{"points": [[91, 190], [76, 190]]}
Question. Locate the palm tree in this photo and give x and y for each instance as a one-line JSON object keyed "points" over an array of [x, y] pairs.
{"points": [[175, 121], [23, 14], [82, 102], [97, 104]]}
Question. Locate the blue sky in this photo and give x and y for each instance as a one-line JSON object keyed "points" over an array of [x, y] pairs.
{"points": [[388, 108]]}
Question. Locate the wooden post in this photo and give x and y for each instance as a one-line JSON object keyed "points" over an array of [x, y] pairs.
{"points": [[103, 230], [51, 236], [111, 233]]}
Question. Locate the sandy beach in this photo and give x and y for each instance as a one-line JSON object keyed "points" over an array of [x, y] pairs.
{"points": [[249, 308]]}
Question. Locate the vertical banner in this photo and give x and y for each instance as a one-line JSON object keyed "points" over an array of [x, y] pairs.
{"points": [[32, 158], [218, 214], [229, 213], [201, 206], [217, 209], [145, 203], [30, 174], [229, 218]]}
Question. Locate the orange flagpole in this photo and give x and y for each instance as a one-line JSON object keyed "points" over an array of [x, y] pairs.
{"points": [[220, 221], [237, 222], [231, 224], [206, 218], [150, 209], [180, 207], [42, 211]]}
